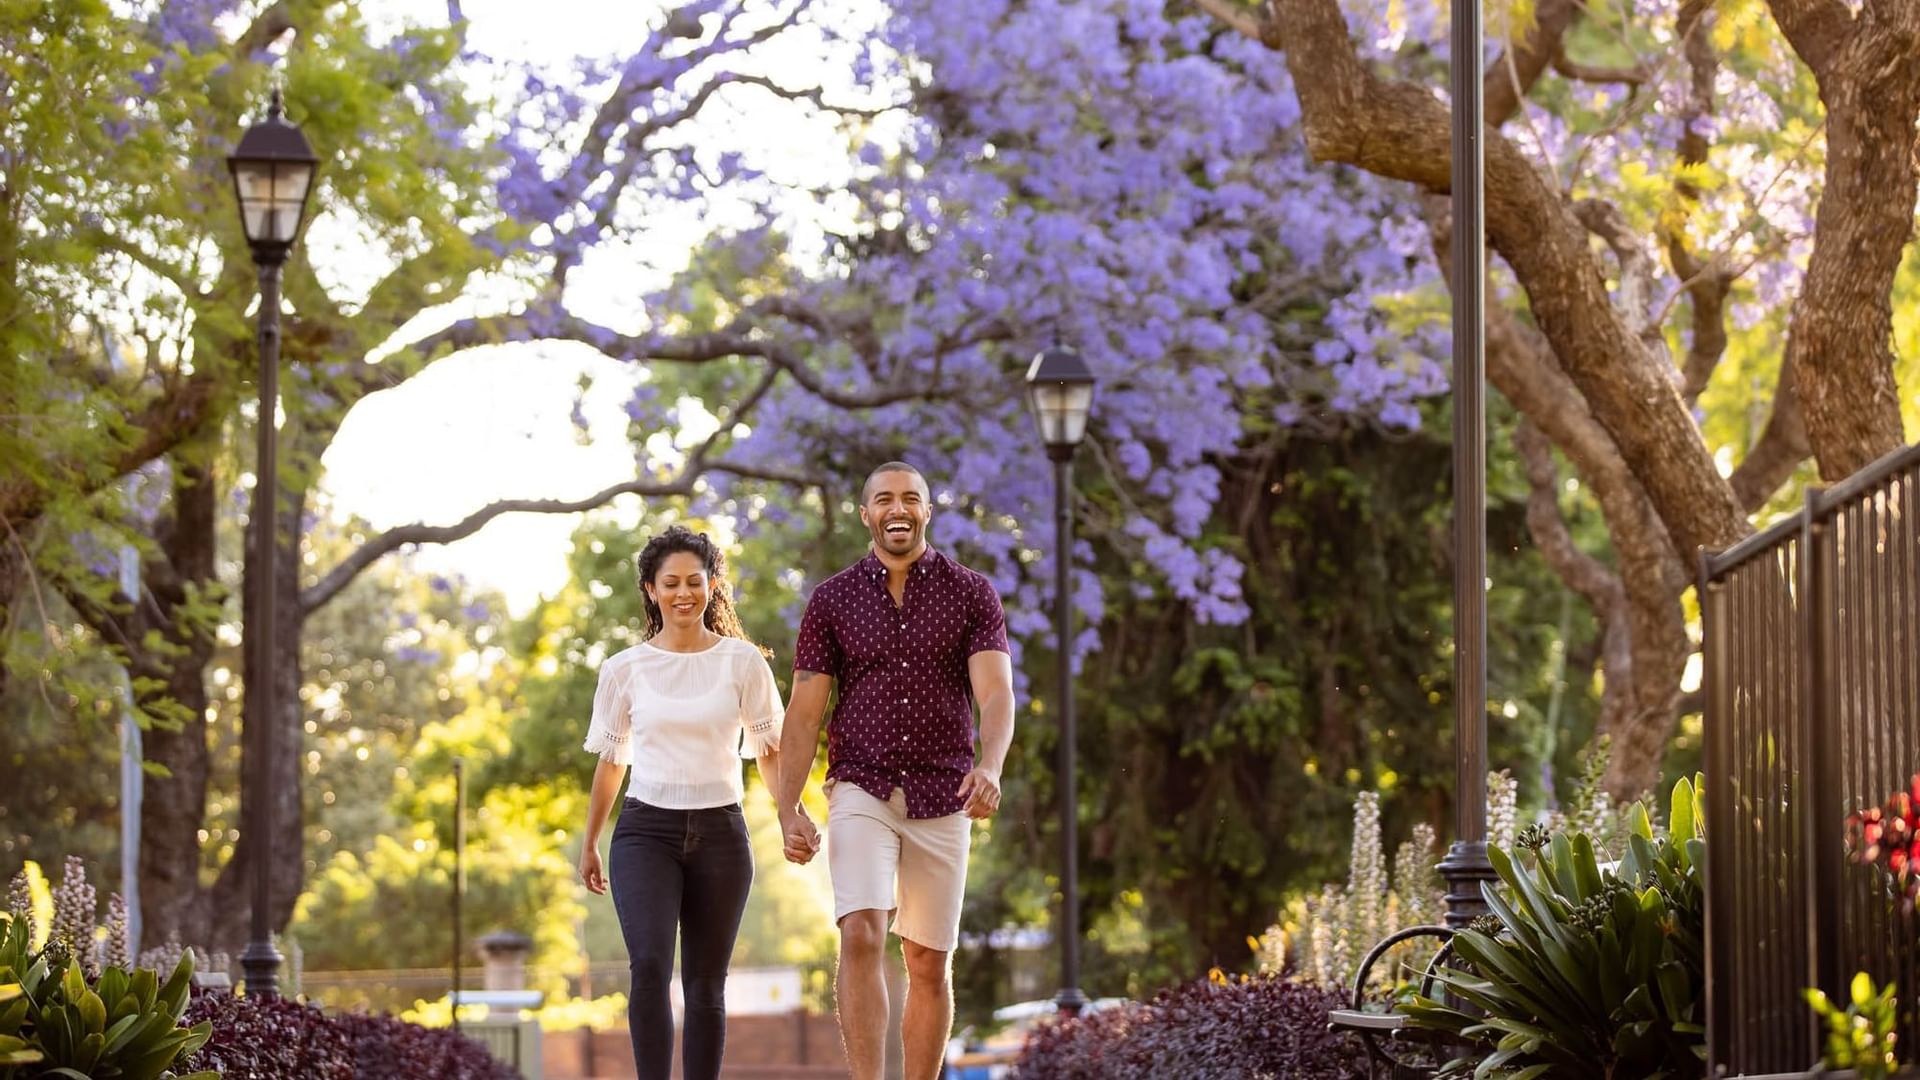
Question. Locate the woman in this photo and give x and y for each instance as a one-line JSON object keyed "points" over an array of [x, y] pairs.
{"points": [[675, 709]]}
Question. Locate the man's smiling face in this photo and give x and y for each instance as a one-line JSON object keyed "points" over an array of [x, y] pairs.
{"points": [[896, 511]]}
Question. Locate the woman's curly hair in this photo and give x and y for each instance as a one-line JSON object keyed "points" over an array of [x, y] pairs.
{"points": [[721, 616]]}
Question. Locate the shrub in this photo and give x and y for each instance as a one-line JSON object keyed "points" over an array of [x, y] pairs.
{"points": [[390, 1049], [272, 1038], [1584, 972], [1210, 1029], [54, 1019], [1861, 1036], [269, 1038]]}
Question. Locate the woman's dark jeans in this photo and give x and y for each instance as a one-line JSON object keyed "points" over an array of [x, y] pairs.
{"points": [[685, 870]]}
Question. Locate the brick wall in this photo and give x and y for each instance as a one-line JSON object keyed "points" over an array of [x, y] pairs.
{"points": [[798, 1046]]}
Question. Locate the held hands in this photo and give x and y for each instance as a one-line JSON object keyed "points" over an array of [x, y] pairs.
{"points": [[981, 789], [591, 874], [802, 838]]}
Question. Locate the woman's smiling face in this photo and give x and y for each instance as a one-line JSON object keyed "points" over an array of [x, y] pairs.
{"points": [[680, 590]]}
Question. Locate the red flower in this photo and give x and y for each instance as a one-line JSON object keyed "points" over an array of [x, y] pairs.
{"points": [[1888, 836]]}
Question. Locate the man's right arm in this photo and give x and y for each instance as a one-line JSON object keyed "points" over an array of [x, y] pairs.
{"points": [[800, 736]]}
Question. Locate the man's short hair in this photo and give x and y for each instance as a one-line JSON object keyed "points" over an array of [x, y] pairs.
{"points": [[866, 489]]}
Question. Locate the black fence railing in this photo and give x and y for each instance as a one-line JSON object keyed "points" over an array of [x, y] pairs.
{"points": [[1812, 678]]}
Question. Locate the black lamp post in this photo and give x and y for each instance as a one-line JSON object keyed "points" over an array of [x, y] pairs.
{"points": [[1465, 866], [272, 175], [1060, 390]]}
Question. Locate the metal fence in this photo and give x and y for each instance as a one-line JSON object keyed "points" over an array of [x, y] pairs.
{"points": [[1812, 678]]}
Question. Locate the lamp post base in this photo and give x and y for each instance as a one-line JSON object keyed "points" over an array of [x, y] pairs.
{"points": [[1465, 868], [1070, 1001], [260, 968]]}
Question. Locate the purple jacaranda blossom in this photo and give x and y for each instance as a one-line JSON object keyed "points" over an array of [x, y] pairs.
{"points": [[413, 654], [190, 24], [1103, 173]]}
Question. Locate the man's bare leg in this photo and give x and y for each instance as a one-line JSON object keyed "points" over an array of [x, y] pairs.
{"points": [[929, 1019], [860, 993]]}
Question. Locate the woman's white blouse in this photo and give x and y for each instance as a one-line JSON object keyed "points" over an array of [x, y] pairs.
{"points": [[683, 721]]}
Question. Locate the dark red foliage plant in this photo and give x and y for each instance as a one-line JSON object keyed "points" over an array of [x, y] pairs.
{"points": [[1262, 1028], [271, 1038]]}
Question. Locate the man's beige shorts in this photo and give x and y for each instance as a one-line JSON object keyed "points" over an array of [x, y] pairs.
{"points": [[882, 860]]}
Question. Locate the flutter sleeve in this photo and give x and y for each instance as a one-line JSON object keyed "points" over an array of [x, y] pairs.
{"points": [[761, 712], [608, 735]]}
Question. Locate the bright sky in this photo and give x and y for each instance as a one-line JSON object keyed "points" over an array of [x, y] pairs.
{"points": [[494, 423]]}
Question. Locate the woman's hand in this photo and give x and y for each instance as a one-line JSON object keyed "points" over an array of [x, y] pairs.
{"points": [[591, 874]]}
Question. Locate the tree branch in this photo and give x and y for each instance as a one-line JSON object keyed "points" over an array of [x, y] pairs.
{"points": [[264, 30], [1706, 285], [1523, 63], [163, 423], [696, 466], [1513, 75], [1635, 295], [1781, 448], [1399, 131], [742, 338], [1237, 18], [1582, 572], [1637, 75], [811, 95], [342, 575]]}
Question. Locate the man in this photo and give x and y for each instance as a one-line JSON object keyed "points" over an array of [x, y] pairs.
{"points": [[914, 640]]}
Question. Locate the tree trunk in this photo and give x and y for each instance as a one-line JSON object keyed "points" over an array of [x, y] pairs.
{"points": [[1840, 342], [172, 906], [1399, 131]]}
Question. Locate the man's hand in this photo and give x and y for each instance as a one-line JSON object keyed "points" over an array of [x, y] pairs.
{"points": [[981, 790], [801, 838], [591, 874]]}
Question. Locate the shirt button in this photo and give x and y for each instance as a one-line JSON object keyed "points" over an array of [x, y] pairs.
{"points": [[903, 701]]}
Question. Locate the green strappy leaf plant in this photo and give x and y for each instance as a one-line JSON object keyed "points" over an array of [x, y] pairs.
{"points": [[1596, 971], [122, 1026]]}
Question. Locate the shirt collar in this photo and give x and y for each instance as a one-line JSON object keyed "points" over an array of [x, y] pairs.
{"points": [[928, 562]]}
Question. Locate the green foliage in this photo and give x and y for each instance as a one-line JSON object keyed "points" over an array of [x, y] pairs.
{"points": [[1340, 683], [1862, 1035], [124, 317], [512, 702], [347, 918], [1594, 972], [397, 653], [122, 1026]]}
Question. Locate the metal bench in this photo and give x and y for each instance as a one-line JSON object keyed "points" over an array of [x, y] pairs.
{"points": [[1404, 1053]]}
